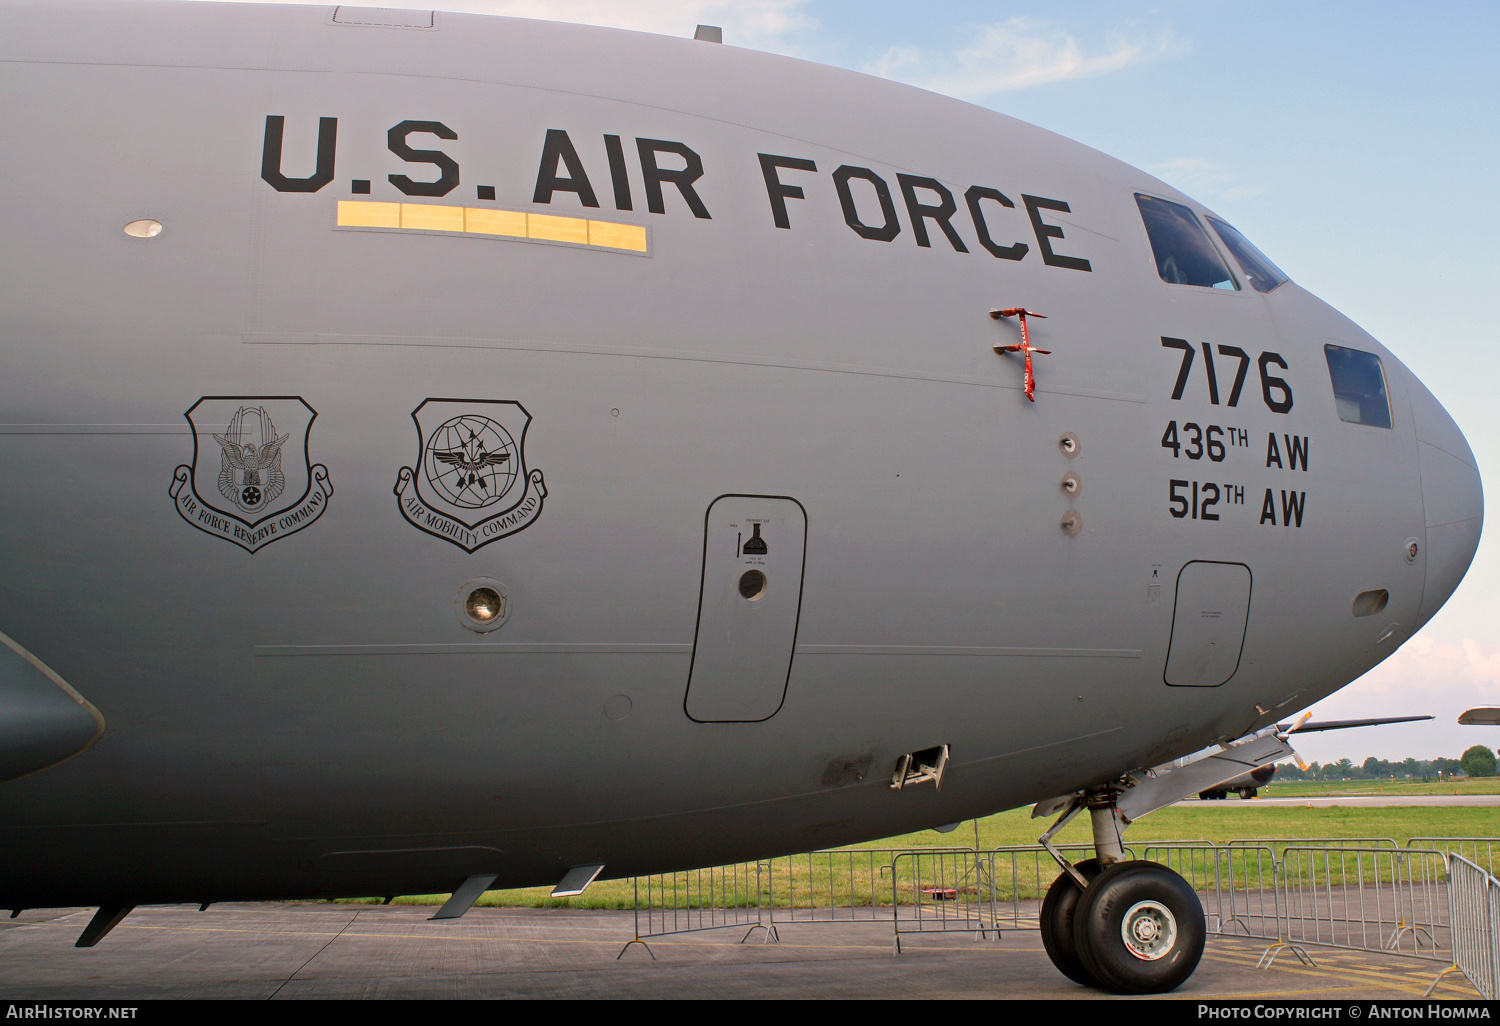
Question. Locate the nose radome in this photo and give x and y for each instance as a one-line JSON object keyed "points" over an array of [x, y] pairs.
{"points": [[1452, 496]]}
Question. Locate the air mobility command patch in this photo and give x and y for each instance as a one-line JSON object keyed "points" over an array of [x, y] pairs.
{"points": [[470, 485]]}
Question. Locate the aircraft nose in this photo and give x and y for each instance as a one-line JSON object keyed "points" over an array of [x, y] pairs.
{"points": [[1452, 496]]}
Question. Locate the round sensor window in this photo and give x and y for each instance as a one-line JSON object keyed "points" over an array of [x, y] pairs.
{"points": [[752, 584], [483, 605]]}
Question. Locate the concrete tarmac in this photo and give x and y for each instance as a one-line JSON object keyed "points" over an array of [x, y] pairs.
{"points": [[261, 951]]}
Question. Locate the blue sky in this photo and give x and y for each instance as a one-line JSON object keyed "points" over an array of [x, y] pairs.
{"points": [[1355, 143]]}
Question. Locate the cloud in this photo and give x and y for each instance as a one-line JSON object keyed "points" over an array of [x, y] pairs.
{"points": [[745, 22], [1425, 675], [1468, 672], [1202, 178], [1018, 53]]}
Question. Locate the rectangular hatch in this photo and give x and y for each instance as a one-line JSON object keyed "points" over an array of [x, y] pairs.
{"points": [[748, 608], [1208, 624]]}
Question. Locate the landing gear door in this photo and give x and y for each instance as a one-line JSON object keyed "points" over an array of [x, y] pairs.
{"points": [[1208, 624], [748, 608]]}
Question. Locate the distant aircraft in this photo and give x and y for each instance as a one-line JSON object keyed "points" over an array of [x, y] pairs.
{"points": [[1247, 785], [640, 480]]}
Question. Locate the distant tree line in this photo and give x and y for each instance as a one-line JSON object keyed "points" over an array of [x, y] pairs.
{"points": [[1477, 761]]}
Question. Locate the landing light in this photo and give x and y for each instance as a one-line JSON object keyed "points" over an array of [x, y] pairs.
{"points": [[143, 229]]}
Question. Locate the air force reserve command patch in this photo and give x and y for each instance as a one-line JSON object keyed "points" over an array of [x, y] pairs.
{"points": [[470, 485], [251, 481]]}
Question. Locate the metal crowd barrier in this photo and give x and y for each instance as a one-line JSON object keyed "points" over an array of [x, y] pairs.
{"points": [[1482, 851], [978, 892], [1237, 886], [840, 885], [1021, 874], [1320, 842], [1368, 899], [1432, 903], [847, 885], [942, 892], [1474, 909], [701, 899]]}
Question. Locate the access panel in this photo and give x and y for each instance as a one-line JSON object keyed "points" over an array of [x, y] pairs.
{"points": [[1208, 624], [751, 598]]}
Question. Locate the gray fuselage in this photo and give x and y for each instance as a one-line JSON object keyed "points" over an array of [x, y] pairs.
{"points": [[294, 703]]}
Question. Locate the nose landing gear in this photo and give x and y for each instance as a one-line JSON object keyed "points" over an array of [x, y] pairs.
{"points": [[1127, 926]]}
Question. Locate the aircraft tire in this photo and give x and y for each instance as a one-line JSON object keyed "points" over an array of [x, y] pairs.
{"points": [[1058, 909], [1248, 792], [1139, 929]]}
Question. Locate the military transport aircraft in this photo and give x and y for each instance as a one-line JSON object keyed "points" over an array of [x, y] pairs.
{"points": [[446, 452]]}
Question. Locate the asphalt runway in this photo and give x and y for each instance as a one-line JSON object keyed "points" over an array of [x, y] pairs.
{"points": [[1372, 801], [281, 951]]}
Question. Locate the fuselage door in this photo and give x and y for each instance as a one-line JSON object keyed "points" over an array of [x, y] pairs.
{"points": [[1208, 624], [748, 608]]}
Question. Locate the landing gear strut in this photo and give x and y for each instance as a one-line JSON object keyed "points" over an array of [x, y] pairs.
{"points": [[1124, 925]]}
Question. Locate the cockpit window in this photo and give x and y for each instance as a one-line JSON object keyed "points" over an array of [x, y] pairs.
{"points": [[1184, 256], [1358, 386], [1262, 275]]}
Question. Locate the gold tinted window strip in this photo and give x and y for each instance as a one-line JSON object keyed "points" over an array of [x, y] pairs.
{"points": [[514, 224]]}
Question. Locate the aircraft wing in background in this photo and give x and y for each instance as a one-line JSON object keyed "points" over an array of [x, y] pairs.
{"points": [[1341, 724]]}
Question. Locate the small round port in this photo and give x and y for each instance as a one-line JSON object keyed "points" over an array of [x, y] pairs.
{"points": [[482, 605], [752, 584]]}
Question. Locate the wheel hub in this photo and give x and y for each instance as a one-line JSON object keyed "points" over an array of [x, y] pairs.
{"points": [[1149, 930]]}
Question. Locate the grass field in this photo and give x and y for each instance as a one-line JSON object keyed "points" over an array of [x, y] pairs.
{"points": [[1217, 822], [1320, 788]]}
